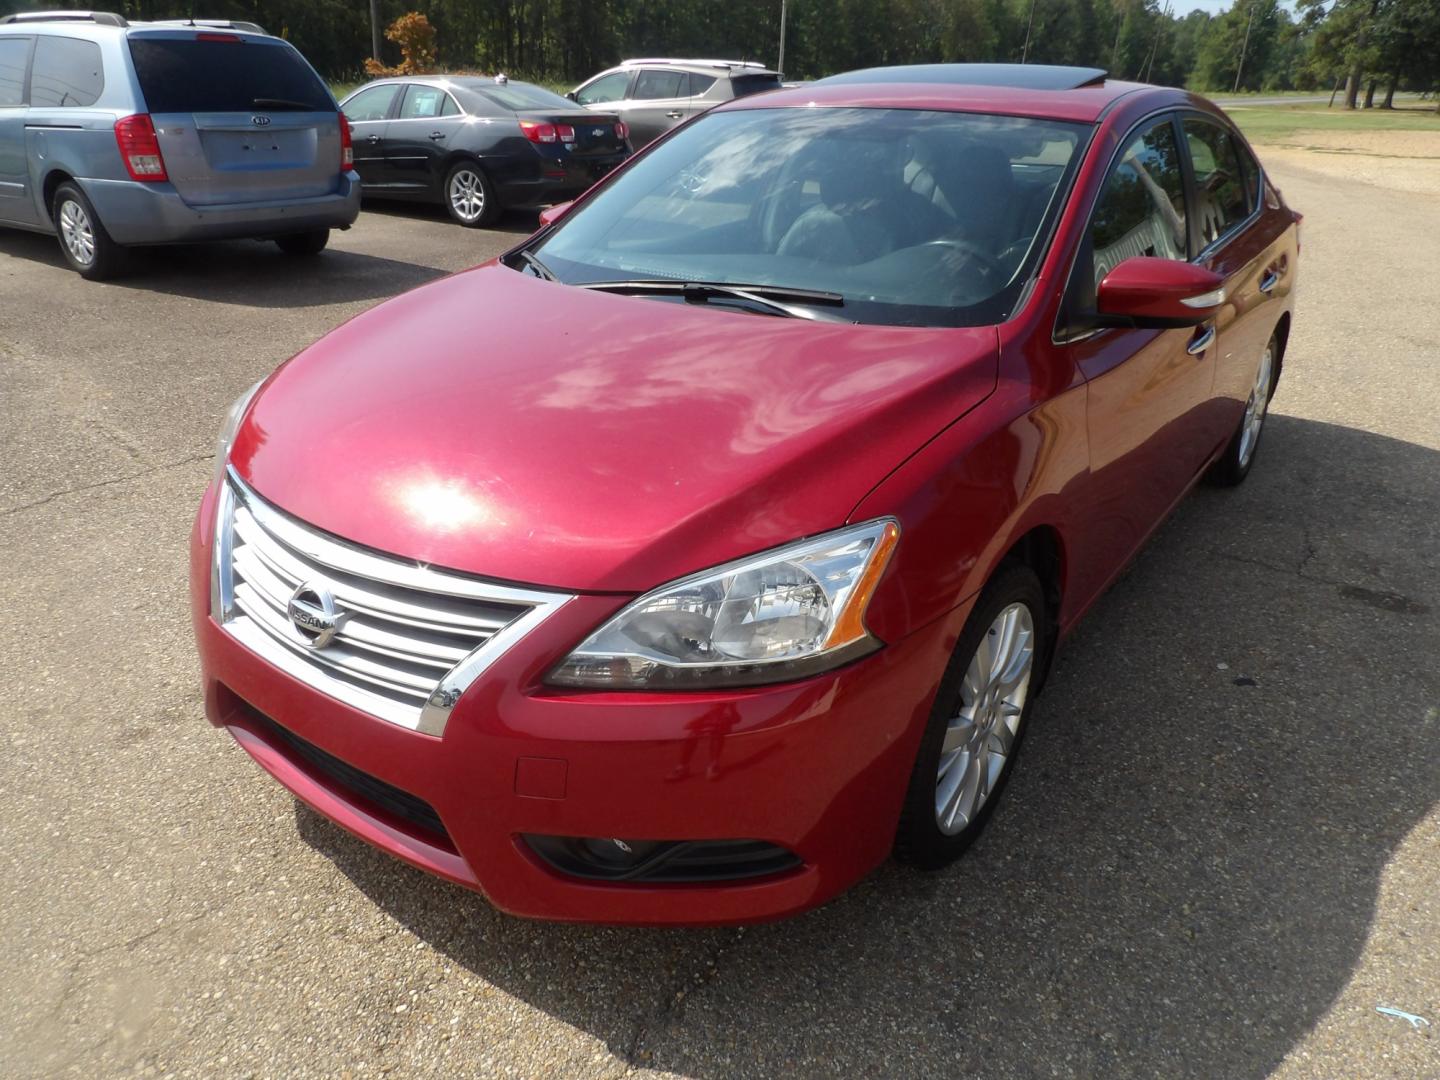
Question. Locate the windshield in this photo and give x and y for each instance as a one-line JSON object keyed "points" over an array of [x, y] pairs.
{"points": [[915, 218]]}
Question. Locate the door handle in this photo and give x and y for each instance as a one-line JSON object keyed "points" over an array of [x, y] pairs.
{"points": [[437, 134], [1202, 340], [1269, 280], [674, 114], [372, 139]]}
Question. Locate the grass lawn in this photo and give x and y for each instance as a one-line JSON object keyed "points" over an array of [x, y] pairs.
{"points": [[1274, 123]]}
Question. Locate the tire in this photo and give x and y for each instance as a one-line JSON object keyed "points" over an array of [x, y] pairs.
{"points": [[935, 829], [305, 243], [86, 245], [1235, 463], [469, 196]]}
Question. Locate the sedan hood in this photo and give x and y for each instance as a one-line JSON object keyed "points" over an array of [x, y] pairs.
{"points": [[519, 429]]}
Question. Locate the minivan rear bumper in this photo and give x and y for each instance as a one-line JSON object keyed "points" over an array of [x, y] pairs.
{"points": [[146, 213]]}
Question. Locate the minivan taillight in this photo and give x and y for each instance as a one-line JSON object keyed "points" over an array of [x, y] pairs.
{"points": [[347, 145], [538, 132], [140, 148]]}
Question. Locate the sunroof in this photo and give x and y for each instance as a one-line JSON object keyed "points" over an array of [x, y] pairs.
{"points": [[1019, 76]]}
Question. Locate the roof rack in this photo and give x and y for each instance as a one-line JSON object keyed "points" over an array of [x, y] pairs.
{"points": [[696, 63], [214, 24], [102, 18], [1017, 76]]}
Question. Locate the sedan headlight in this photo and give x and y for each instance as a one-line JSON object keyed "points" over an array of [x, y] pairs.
{"points": [[783, 615], [227, 431]]}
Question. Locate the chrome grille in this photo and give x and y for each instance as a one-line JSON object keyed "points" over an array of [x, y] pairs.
{"points": [[409, 639]]}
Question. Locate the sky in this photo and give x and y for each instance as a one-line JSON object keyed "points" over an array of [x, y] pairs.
{"points": [[1213, 7]]}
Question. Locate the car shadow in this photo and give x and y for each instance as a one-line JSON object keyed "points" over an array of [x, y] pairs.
{"points": [[248, 273], [1187, 866], [518, 222]]}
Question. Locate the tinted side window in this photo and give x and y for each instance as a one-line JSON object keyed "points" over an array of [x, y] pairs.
{"points": [[610, 88], [753, 84], [426, 102], [1222, 200], [190, 76], [14, 51], [371, 104], [1141, 210], [654, 85], [66, 71], [700, 83]]}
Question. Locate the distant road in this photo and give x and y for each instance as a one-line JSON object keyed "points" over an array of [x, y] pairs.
{"points": [[1318, 99]]}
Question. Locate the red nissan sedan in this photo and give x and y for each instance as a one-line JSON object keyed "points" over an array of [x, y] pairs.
{"points": [[713, 544]]}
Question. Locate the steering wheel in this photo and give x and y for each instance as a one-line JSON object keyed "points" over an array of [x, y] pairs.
{"points": [[989, 265]]}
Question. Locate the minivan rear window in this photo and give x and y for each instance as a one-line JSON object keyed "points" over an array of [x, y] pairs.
{"points": [[192, 76]]}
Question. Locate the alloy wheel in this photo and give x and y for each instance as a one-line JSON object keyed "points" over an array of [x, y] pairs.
{"points": [[980, 737], [1256, 407], [77, 233], [467, 195]]}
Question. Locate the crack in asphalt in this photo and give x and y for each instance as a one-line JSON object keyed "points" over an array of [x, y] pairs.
{"points": [[192, 459], [673, 1002], [1384, 599]]}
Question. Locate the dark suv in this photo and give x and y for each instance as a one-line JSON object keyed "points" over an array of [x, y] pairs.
{"points": [[652, 96]]}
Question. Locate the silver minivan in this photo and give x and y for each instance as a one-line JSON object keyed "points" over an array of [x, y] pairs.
{"points": [[116, 133]]}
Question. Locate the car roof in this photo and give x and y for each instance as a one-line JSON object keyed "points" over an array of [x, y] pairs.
{"points": [[1032, 90], [106, 23], [734, 67]]}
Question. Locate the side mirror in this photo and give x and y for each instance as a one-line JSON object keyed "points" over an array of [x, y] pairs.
{"points": [[571, 95], [1150, 293], [552, 214]]}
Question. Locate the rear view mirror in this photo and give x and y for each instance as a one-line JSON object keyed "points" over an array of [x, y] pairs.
{"points": [[571, 95], [552, 214], [1152, 293]]}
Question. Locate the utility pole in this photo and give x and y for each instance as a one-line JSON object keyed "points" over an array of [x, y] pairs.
{"points": [[1025, 53], [780, 64], [1119, 25], [1244, 45], [1155, 46], [375, 29]]}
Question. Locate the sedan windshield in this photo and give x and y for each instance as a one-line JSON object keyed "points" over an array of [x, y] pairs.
{"points": [[913, 217]]}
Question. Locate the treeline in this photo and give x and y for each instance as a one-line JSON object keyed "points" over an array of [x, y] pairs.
{"points": [[1255, 45]]}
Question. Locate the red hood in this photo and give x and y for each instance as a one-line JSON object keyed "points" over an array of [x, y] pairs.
{"points": [[528, 431]]}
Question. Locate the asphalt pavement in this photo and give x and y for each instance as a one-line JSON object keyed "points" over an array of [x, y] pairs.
{"points": [[1219, 855]]}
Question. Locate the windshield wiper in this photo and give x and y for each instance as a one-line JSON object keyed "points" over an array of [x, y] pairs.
{"points": [[773, 298], [534, 263], [283, 103]]}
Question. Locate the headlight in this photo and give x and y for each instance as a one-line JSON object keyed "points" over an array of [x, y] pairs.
{"points": [[228, 429], [783, 615]]}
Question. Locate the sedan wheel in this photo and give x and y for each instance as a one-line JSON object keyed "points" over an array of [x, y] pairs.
{"points": [[1234, 464], [1257, 406], [978, 721], [979, 738], [468, 195]]}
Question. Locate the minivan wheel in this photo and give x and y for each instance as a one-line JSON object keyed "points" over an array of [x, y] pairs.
{"points": [[977, 723], [305, 243], [86, 245], [1234, 465], [469, 196]]}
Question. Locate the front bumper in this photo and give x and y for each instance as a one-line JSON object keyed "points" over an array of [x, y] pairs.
{"points": [[818, 767], [144, 213]]}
